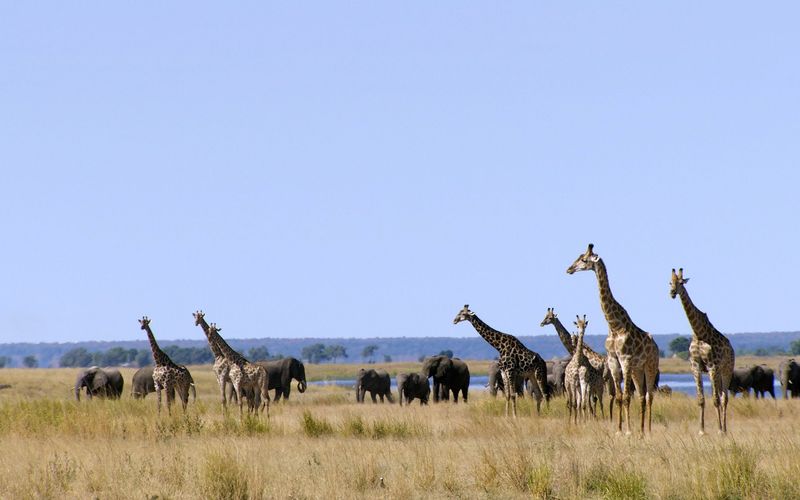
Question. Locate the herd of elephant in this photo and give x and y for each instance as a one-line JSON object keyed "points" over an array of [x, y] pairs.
{"points": [[450, 377], [108, 382]]}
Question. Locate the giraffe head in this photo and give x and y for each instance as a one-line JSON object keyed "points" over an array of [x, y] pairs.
{"points": [[676, 283], [585, 261], [145, 322], [550, 317], [463, 315], [213, 328], [581, 324], [198, 317]]}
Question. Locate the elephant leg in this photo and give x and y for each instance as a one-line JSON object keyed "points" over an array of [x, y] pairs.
{"points": [[374, 397]]}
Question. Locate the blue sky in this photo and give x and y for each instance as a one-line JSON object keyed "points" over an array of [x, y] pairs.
{"points": [[356, 169]]}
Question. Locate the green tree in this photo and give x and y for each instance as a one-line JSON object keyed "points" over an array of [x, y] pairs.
{"points": [[30, 361], [387, 358], [794, 347], [258, 353], [334, 352], [679, 344], [314, 353], [144, 358], [446, 352], [369, 351], [78, 357], [4, 361]]}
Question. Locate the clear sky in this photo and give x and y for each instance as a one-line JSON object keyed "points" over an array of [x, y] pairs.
{"points": [[356, 169]]}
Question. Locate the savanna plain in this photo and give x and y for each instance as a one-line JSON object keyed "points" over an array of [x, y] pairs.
{"points": [[322, 444]]}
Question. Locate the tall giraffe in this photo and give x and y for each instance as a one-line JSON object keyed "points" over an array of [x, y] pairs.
{"points": [[581, 379], [167, 375], [598, 361], [710, 351], [248, 379], [631, 350], [515, 361], [222, 367]]}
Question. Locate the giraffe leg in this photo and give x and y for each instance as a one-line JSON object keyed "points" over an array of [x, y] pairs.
{"points": [[617, 378], [724, 384], [629, 386], [715, 386], [701, 398], [638, 377], [511, 397], [158, 398]]}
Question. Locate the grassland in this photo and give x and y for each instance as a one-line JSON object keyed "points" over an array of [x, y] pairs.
{"points": [[322, 444]]}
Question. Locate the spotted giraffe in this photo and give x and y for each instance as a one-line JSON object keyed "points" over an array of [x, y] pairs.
{"points": [[631, 351], [709, 351], [515, 361], [582, 381], [222, 366], [249, 380], [167, 375], [598, 361]]}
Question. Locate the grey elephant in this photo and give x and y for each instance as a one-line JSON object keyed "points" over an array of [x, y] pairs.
{"points": [[789, 373], [449, 375], [559, 370], [411, 386], [143, 384], [281, 372], [100, 382], [377, 382], [496, 381], [741, 381], [763, 381]]}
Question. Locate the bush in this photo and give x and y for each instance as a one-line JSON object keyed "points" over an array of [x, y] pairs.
{"points": [[223, 477]]}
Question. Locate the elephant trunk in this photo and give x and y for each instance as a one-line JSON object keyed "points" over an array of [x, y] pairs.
{"points": [[302, 386]]}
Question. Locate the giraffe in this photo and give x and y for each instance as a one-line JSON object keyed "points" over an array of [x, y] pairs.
{"points": [[248, 379], [632, 352], [709, 351], [222, 367], [167, 375], [581, 379], [516, 360], [598, 361]]}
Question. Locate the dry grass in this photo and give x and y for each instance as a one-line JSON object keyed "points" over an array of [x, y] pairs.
{"points": [[322, 444]]}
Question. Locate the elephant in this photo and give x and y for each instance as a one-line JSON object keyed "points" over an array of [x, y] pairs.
{"points": [[281, 372], [741, 381], [789, 373], [496, 381], [559, 370], [413, 385], [449, 375], [763, 381], [143, 384], [100, 382], [377, 382]]}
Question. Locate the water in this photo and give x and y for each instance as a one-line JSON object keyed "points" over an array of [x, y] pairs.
{"points": [[679, 382]]}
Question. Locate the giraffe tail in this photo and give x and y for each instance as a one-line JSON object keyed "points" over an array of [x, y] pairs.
{"points": [[194, 392]]}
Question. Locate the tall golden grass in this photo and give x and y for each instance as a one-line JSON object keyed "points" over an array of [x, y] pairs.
{"points": [[321, 444]]}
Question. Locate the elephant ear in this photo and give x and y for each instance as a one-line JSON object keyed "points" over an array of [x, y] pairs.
{"points": [[100, 380], [444, 366]]}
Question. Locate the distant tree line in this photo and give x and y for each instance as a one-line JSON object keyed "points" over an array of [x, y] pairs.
{"points": [[119, 356], [318, 353]]}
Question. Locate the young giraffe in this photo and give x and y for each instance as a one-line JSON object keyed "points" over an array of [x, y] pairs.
{"points": [[249, 380], [167, 375], [222, 367], [516, 360], [584, 379], [710, 351], [598, 361], [631, 350]]}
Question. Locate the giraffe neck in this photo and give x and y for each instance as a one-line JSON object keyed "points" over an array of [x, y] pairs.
{"points": [[697, 318], [159, 357], [579, 357], [563, 334], [616, 316], [215, 350], [224, 348], [489, 334]]}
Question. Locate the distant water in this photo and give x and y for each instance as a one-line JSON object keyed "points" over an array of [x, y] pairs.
{"points": [[680, 382]]}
